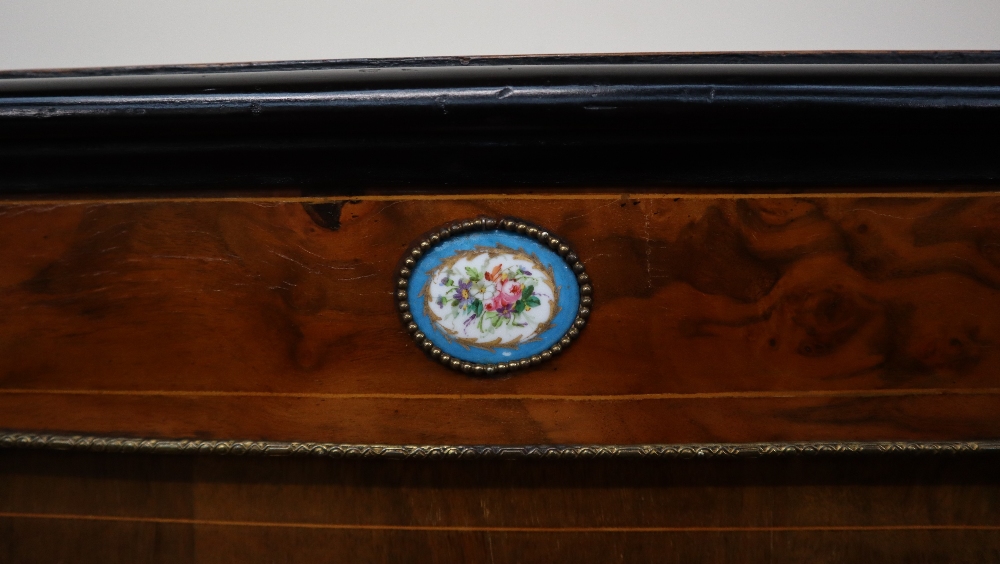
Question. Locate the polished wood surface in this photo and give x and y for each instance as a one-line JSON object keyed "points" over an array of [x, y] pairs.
{"points": [[77, 507], [716, 319]]}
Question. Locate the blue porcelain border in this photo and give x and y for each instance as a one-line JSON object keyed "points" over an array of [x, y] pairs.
{"points": [[565, 279]]}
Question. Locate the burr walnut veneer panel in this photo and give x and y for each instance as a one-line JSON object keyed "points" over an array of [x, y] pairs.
{"points": [[715, 319]]}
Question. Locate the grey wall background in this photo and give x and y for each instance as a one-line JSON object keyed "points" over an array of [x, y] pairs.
{"points": [[82, 33]]}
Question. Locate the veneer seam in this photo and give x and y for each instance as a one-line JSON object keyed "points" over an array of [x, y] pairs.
{"points": [[494, 196], [517, 397], [499, 529]]}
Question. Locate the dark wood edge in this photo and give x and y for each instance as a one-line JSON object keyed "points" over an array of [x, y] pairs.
{"points": [[251, 81], [724, 123], [93, 443], [727, 58]]}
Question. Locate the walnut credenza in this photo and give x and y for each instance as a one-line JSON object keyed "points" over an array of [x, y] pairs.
{"points": [[791, 350]]}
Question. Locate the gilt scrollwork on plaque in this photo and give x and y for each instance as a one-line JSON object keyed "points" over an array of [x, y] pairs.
{"points": [[487, 296]]}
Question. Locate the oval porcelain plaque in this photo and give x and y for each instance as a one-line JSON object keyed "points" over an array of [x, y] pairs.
{"points": [[487, 296]]}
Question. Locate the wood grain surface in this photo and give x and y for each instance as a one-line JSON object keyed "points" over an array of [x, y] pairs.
{"points": [[79, 507], [716, 319]]}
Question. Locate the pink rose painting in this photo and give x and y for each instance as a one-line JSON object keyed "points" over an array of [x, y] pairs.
{"points": [[492, 297]]}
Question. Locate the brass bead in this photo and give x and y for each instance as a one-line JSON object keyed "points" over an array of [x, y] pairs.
{"points": [[405, 272], [444, 233], [466, 367], [427, 345], [565, 341], [586, 290], [478, 370], [554, 243], [412, 327], [586, 300], [535, 359], [525, 363], [410, 262], [457, 228], [580, 322], [402, 282], [401, 294], [555, 349], [521, 227], [419, 336], [573, 332], [477, 224], [531, 232], [563, 249], [456, 364], [584, 312], [543, 236], [466, 225], [489, 223], [578, 267], [490, 370], [434, 239], [501, 367], [445, 358], [435, 352], [425, 245], [416, 253], [583, 278], [407, 317], [546, 355], [511, 225], [403, 306], [571, 258]]}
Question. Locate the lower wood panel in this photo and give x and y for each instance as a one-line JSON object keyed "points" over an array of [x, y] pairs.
{"points": [[680, 547], [139, 543], [723, 318], [50, 541], [136, 508]]}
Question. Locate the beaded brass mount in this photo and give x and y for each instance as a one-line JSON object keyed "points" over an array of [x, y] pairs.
{"points": [[486, 224]]}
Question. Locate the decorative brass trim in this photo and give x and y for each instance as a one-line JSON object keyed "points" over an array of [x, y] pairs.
{"points": [[91, 443], [412, 258]]}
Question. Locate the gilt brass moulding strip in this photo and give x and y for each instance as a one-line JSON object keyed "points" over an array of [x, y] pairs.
{"points": [[122, 445], [483, 224]]}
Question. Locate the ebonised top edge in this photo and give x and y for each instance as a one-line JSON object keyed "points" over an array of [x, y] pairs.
{"points": [[831, 67], [730, 122], [513, 75], [731, 58]]}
